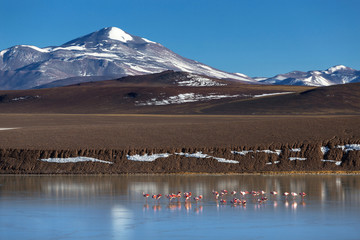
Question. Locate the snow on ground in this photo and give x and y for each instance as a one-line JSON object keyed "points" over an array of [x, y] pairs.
{"points": [[324, 150], [297, 158], [338, 163], [223, 160], [295, 150], [4, 129], [74, 160], [202, 155], [349, 147], [270, 94], [147, 158], [153, 157], [194, 80], [119, 35], [275, 162], [183, 98], [242, 153], [194, 155], [277, 152]]}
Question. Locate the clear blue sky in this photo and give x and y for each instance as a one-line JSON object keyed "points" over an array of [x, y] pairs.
{"points": [[254, 37]]}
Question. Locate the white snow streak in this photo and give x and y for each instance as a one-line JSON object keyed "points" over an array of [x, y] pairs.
{"points": [[271, 94], [297, 158], [349, 147], [338, 163], [277, 152], [147, 158], [295, 150], [153, 157], [4, 129], [183, 98], [242, 153], [74, 160], [275, 162]]}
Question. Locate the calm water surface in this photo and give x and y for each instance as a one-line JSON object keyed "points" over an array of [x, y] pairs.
{"points": [[112, 207]]}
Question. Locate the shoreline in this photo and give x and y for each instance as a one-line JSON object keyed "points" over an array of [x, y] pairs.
{"points": [[339, 173]]}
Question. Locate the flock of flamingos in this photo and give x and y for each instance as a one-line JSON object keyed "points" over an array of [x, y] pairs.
{"points": [[260, 195]]}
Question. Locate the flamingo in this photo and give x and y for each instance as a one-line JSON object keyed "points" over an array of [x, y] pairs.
{"points": [[223, 201], [146, 195], [302, 194], [255, 193], [187, 195], [198, 198], [262, 192], [178, 195], [233, 192], [286, 194], [274, 193], [235, 201], [243, 193], [264, 199], [216, 194], [224, 192], [294, 194], [157, 197], [171, 196]]}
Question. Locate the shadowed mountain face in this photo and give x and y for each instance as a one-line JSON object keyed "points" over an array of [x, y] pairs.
{"points": [[109, 53], [172, 92]]}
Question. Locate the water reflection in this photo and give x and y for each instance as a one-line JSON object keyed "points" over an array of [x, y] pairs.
{"points": [[113, 207], [324, 187]]}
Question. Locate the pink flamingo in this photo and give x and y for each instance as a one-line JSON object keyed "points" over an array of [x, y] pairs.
{"points": [[146, 195], [274, 193], [233, 192], [294, 194], [198, 198], [302, 194], [216, 194], [243, 193], [171, 196], [156, 197], [286, 194], [187, 195]]}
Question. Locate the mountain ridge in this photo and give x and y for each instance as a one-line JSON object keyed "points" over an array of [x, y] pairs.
{"points": [[107, 52], [338, 74], [111, 53]]}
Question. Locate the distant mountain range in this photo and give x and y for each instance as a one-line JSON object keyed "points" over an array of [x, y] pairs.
{"points": [[112, 53], [339, 74]]}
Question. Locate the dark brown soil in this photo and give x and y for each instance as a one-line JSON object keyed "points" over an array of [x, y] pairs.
{"points": [[112, 137]]}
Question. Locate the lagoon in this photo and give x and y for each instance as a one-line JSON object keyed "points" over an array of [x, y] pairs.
{"points": [[113, 207]]}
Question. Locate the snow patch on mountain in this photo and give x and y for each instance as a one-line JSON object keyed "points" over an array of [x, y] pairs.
{"points": [[183, 98], [119, 35]]}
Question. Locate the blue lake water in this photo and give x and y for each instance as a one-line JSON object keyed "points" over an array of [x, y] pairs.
{"points": [[112, 207]]}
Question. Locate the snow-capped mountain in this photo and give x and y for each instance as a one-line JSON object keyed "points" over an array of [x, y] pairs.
{"points": [[109, 53], [339, 74]]}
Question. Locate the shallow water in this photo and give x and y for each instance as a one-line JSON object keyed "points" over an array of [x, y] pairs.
{"points": [[112, 207]]}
